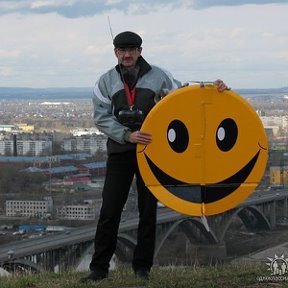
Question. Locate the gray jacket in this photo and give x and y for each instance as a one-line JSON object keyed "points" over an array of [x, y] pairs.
{"points": [[110, 98]]}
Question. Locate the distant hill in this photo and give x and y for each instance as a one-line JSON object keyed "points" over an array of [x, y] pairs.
{"points": [[263, 91], [13, 93]]}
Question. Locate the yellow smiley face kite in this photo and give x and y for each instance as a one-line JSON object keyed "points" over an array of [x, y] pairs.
{"points": [[208, 150]]}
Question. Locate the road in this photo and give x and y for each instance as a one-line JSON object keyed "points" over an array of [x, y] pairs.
{"points": [[85, 233], [81, 234]]}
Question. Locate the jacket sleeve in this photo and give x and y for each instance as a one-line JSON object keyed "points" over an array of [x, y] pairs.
{"points": [[169, 84], [175, 84], [104, 119]]}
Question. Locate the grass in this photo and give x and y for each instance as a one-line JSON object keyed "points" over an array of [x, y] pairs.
{"points": [[169, 277]]}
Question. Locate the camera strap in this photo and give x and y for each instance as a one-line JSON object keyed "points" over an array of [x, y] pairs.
{"points": [[130, 94]]}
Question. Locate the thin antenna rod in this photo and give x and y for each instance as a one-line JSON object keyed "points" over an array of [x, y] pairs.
{"points": [[110, 27], [119, 64]]}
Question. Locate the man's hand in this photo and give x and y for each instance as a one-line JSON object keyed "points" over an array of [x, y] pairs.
{"points": [[140, 137], [221, 86]]}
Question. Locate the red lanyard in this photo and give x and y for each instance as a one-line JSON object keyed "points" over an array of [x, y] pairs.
{"points": [[130, 94]]}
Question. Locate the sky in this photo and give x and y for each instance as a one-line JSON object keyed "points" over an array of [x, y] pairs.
{"points": [[68, 43]]}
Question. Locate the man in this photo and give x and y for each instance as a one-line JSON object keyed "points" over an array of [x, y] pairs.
{"points": [[122, 99]]}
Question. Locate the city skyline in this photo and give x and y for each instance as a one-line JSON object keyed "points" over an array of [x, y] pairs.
{"points": [[67, 43]]}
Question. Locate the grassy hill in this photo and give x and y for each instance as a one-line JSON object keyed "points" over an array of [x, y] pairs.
{"points": [[169, 277]]}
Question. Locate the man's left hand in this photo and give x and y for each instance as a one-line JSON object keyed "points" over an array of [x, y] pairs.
{"points": [[221, 86]]}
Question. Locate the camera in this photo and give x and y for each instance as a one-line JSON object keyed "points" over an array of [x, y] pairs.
{"points": [[131, 118]]}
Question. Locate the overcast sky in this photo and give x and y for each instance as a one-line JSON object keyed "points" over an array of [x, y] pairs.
{"points": [[67, 43]]}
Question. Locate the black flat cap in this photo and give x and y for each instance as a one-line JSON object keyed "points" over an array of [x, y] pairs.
{"points": [[127, 39]]}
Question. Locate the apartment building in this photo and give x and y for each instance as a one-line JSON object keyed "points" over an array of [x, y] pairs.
{"points": [[87, 211], [279, 175], [26, 145], [85, 143], [276, 121], [6, 147], [34, 147], [29, 208]]}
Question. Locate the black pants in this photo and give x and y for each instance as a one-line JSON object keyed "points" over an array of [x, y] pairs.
{"points": [[121, 169]]}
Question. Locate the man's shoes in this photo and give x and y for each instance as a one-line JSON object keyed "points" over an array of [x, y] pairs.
{"points": [[142, 273], [93, 276]]}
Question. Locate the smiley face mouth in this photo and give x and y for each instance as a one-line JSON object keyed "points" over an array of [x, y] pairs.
{"points": [[202, 193]]}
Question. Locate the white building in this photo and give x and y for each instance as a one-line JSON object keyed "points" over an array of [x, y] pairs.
{"points": [[78, 212], [7, 128], [34, 147], [271, 130], [26, 147], [29, 208], [86, 143], [86, 131], [6, 147], [278, 121]]}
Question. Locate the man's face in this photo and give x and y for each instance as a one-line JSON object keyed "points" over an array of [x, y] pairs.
{"points": [[128, 56]]}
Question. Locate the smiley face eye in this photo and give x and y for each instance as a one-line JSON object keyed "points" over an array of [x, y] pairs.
{"points": [[177, 136], [226, 134]]}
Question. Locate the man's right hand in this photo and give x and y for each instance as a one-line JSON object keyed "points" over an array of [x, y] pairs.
{"points": [[140, 137]]}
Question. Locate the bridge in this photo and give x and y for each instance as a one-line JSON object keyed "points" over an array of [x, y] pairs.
{"points": [[66, 250]]}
